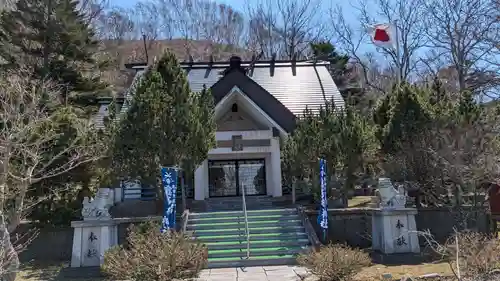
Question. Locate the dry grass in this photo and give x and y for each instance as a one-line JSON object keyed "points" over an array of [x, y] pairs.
{"points": [[46, 272], [359, 201], [375, 271]]}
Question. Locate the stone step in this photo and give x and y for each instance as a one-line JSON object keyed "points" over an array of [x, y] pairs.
{"points": [[241, 218], [229, 204], [254, 237], [222, 203], [239, 198], [252, 261], [236, 208], [241, 224], [241, 231], [239, 203], [276, 236], [283, 251], [250, 213], [242, 244]]}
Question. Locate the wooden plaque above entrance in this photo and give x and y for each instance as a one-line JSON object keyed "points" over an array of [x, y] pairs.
{"points": [[237, 143]]}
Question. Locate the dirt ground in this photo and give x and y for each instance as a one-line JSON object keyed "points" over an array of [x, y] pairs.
{"points": [[50, 272], [46, 272], [397, 271]]}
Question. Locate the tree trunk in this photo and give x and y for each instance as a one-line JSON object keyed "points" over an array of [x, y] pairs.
{"points": [[10, 263], [17, 211], [350, 181], [10, 259]]}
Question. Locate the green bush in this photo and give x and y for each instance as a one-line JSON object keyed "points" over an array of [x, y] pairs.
{"points": [[151, 255], [335, 262]]}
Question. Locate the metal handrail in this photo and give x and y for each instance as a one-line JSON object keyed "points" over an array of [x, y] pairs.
{"points": [[247, 231], [185, 218]]}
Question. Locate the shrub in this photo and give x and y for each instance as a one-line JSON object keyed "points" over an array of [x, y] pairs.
{"points": [[151, 255], [478, 254], [335, 262]]}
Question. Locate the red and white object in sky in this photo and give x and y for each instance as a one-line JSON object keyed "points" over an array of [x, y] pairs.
{"points": [[383, 35]]}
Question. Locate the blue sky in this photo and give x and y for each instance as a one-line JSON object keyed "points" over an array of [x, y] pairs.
{"points": [[237, 4], [240, 5]]}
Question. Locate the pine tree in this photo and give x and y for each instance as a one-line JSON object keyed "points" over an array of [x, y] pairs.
{"points": [[402, 116], [52, 38], [338, 69], [338, 63], [357, 146], [166, 124], [438, 94], [343, 138], [468, 110]]}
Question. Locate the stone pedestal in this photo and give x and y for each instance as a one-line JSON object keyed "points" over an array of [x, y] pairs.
{"points": [[96, 233], [394, 231], [91, 239]]}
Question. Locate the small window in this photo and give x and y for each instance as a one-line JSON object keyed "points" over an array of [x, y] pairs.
{"points": [[234, 108]]}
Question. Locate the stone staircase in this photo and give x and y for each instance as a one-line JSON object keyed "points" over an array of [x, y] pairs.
{"points": [[236, 203], [276, 237]]}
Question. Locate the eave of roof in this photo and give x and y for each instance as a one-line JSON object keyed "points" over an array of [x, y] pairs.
{"points": [[262, 98], [225, 64]]}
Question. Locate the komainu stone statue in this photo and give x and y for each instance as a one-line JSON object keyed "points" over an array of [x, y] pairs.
{"points": [[390, 197], [98, 208]]}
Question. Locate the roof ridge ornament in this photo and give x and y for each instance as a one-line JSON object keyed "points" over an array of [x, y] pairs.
{"points": [[234, 65], [272, 64], [255, 59]]}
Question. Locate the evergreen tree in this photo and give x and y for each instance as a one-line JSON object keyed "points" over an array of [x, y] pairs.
{"points": [[52, 38], [166, 125], [338, 69], [409, 120], [358, 146], [343, 138], [438, 96], [468, 110], [402, 116], [338, 63]]}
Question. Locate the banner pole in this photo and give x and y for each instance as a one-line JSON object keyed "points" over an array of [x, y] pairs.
{"points": [[398, 53]]}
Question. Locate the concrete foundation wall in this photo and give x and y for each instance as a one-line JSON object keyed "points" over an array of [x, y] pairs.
{"points": [[354, 226], [351, 226], [50, 244]]}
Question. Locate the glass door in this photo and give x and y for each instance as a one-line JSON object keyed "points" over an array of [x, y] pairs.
{"points": [[228, 177], [252, 176], [222, 178]]}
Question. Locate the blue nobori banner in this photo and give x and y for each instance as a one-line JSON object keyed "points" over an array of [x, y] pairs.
{"points": [[169, 179], [323, 209]]}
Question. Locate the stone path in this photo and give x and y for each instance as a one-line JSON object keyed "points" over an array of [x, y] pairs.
{"points": [[258, 273]]}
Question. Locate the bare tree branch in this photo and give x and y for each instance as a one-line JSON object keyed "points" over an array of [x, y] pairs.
{"points": [[466, 34], [35, 144], [285, 28], [408, 18]]}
